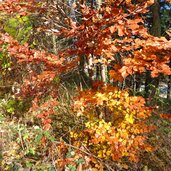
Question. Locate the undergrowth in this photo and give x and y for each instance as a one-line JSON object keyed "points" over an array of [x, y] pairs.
{"points": [[22, 139]]}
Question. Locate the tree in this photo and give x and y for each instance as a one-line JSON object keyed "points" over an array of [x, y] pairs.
{"points": [[114, 42]]}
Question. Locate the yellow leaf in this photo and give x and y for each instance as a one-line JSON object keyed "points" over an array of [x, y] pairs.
{"points": [[100, 154], [129, 118], [124, 166]]}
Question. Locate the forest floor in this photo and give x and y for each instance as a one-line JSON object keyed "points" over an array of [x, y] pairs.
{"points": [[160, 159], [17, 147]]}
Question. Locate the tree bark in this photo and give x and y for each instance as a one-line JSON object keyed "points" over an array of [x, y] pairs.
{"points": [[155, 31], [156, 25], [169, 85]]}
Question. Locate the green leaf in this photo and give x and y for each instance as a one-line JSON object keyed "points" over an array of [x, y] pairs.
{"points": [[19, 28], [81, 160], [51, 168], [32, 151], [1, 118], [38, 138], [26, 135], [48, 136], [72, 168], [28, 164], [16, 167]]}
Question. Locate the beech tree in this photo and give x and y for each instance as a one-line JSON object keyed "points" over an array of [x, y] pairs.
{"points": [[107, 43]]}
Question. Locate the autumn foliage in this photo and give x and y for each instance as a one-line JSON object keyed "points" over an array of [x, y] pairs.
{"points": [[114, 36], [116, 123]]}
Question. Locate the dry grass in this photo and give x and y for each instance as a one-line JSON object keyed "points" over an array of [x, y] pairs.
{"points": [[160, 159], [64, 120]]}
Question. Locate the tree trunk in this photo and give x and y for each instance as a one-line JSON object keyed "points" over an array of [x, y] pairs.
{"points": [[169, 85], [169, 88], [99, 3], [156, 25], [148, 81], [155, 31]]}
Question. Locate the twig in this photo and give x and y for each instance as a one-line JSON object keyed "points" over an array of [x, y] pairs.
{"points": [[85, 152], [20, 136]]}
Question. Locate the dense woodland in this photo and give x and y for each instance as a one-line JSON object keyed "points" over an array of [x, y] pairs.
{"points": [[85, 85]]}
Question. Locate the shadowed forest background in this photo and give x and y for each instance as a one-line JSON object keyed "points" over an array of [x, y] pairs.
{"points": [[85, 85]]}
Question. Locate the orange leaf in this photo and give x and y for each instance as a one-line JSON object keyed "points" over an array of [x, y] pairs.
{"points": [[166, 116], [121, 31], [112, 29], [123, 71]]}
